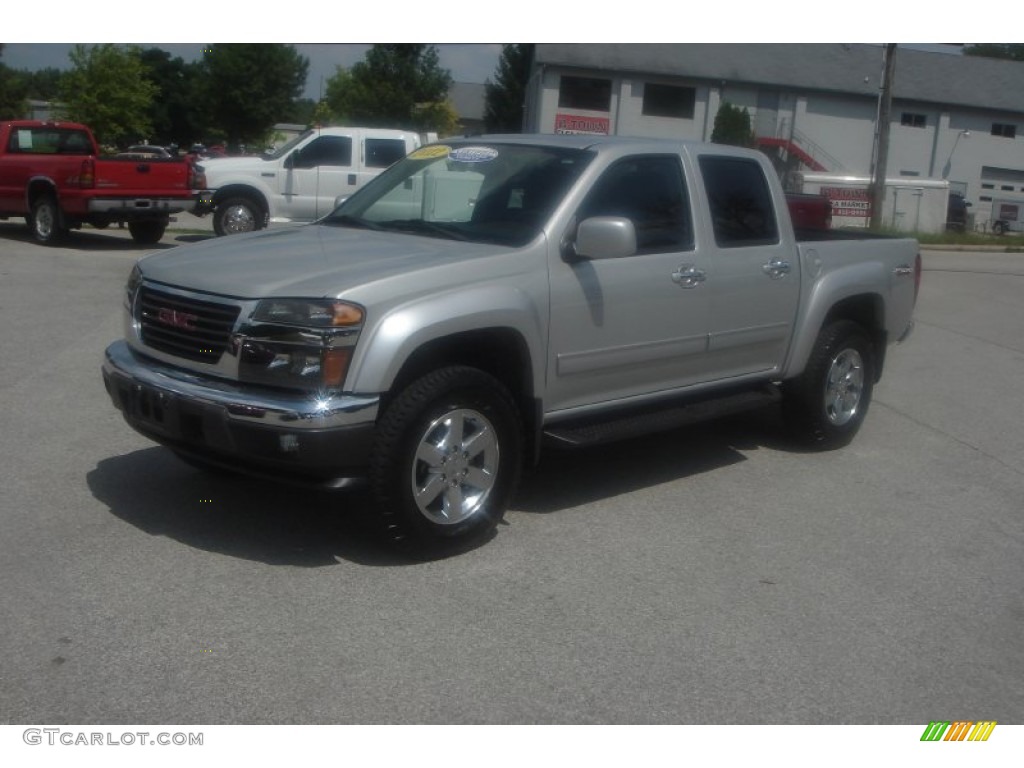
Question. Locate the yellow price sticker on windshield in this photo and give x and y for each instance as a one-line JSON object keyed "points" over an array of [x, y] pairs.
{"points": [[431, 152]]}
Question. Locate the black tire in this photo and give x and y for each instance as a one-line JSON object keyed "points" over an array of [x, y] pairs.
{"points": [[46, 222], [237, 215], [147, 232], [826, 405], [456, 436]]}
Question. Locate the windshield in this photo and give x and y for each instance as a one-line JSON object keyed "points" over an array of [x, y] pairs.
{"points": [[482, 192], [282, 151]]}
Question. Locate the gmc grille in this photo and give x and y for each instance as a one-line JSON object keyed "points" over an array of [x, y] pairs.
{"points": [[185, 327]]}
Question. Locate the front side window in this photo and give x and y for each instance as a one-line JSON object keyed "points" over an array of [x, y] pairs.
{"points": [[326, 150], [740, 201], [474, 191], [591, 93], [649, 191]]}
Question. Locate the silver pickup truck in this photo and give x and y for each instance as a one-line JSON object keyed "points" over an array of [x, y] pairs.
{"points": [[484, 297]]}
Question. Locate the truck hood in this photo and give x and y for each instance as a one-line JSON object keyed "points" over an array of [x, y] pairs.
{"points": [[222, 165], [305, 261]]}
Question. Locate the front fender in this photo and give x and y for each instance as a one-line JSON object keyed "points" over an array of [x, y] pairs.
{"points": [[381, 354]]}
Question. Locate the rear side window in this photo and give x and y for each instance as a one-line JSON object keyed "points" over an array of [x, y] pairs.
{"points": [[740, 201], [650, 191], [381, 153]]}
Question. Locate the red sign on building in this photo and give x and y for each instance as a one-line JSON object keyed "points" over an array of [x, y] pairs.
{"points": [[581, 124]]}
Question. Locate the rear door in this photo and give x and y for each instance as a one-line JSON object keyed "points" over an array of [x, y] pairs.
{"points": [[754, 271]]}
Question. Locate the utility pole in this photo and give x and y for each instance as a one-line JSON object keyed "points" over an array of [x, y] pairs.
{"points": [[882, 137]]}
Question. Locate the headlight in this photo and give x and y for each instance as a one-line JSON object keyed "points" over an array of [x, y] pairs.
{"points": [[310, 313], [300, 343]]}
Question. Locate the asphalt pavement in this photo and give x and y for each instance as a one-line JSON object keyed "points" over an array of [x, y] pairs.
{"points": [[715, 574]]}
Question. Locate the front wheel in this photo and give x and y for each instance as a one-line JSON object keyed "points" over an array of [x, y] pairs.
{"points": [[45, 222], [147, 232], [237, 215], [826, 405], [447, 457]]}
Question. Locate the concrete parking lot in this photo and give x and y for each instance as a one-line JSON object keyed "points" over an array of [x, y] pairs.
{"points": [[709, 575]]}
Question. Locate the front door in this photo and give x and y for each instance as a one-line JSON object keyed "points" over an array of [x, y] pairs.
{"points": [[319, 172], [634, 325]]}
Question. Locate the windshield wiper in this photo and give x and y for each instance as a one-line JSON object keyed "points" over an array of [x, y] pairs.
{"points": [[419, 226]]}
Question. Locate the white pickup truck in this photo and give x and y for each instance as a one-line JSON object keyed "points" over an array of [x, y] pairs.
{"points": [[299, 182], [487, 295]]}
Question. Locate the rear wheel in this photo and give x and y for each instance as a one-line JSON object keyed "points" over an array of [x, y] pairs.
{"points": [[45, 222], [147, 232], [447, 457], [826, 406], [999, 228], [237, 215]]}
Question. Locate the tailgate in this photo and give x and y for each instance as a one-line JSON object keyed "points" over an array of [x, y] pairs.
{"points": [[143, 178]]}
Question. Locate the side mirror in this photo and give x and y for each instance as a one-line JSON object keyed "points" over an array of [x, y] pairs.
{"points": [[604, 237]]}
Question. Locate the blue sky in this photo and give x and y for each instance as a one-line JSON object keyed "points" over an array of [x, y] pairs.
{"points": [[468, 62]]}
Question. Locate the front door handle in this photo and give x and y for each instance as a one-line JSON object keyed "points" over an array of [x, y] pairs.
{"points": [[688, 276], [776, 268]]}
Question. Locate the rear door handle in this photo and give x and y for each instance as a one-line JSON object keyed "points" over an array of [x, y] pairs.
{"points": [[688, 276], [776, 268]]}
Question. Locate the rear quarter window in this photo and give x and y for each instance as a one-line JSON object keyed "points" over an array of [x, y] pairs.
{"points": [[740, 202]]}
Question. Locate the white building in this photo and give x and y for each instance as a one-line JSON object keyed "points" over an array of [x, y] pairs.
{"points": [[814, 107]]}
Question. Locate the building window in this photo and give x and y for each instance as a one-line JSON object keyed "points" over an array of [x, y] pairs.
{"points": [[985, 199], [909, 173], [1007, 187], [988, 186], [668, 101], [1005, 130], [585, 93], [913, 120]]}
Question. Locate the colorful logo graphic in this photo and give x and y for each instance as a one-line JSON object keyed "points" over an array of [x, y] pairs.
{"points": [[959, 730]]}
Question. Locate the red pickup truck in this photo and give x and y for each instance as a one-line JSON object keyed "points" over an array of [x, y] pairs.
{"points": [[52, 175]]}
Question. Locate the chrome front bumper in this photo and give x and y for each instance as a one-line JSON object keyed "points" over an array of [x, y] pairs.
{"points": [[321, 439]]}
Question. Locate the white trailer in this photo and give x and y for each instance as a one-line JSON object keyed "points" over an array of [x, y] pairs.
{"points": [[910, 205]]}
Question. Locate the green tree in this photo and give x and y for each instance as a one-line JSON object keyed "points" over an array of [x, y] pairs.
{"points": [[1013, 51], [106, 88], [13, 104], [44, 84], [732, 126], [175, 113], [250, 86], [505, 98], [397, 85]]}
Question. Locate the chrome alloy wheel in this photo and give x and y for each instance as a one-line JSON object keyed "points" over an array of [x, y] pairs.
{"points": [[844, 387], [455, 466], [238, 219]]}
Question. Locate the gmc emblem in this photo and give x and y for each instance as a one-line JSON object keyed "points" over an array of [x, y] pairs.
{"points": [[172, 317]]}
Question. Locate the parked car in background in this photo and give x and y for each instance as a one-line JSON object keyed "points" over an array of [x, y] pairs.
{"points": [[51, 174], [302, 180], [956, 213], [144, 152], [809, 211]]}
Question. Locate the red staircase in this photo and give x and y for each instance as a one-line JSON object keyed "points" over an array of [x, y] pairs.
{"points": [[791, 148]]}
